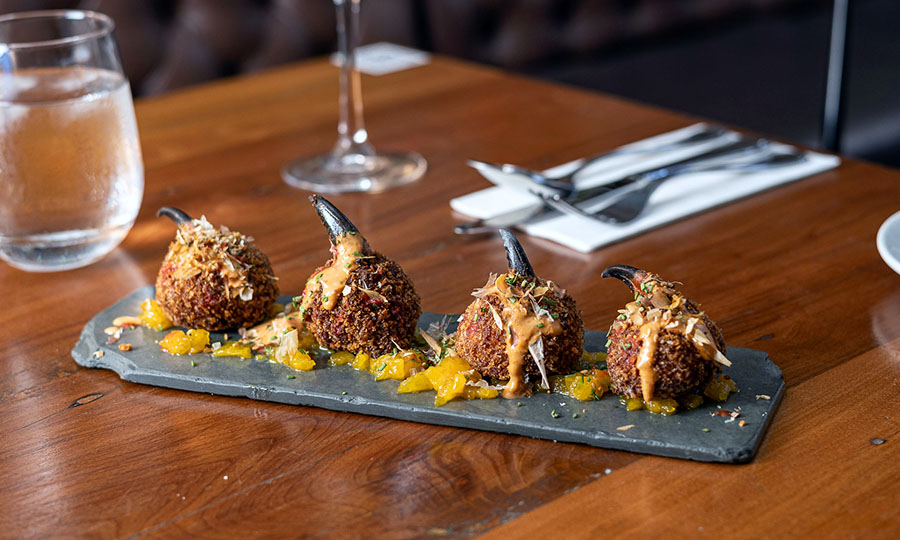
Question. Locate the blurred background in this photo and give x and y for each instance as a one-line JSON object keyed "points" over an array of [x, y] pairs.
{"points": [[757, 64]]}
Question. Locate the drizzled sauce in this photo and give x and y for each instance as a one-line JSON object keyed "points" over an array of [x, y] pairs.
{"points": [[271, 331], [521, 326], [327, 284], [649, 334]]}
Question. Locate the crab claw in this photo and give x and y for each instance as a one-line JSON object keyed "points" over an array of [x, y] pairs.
{"points": [[335, 221], [180, 217], [515, 254], [631, 276]]}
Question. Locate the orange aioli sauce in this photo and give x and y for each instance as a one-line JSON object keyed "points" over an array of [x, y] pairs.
{"points": [[269, 332], [334, 277], [523, 328], [649, 334]]}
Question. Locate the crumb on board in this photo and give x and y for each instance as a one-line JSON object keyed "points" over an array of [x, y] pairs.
{"points": [[98, 354], [763, 396], [625, 428], [125, 346]]}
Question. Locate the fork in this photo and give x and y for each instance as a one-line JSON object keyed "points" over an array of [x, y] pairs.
{"points": [[628, 202], [610, 192], [563, 183]]}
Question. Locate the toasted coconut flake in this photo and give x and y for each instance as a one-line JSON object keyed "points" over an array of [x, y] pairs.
{"points": [[246, 293], [489, 288], [375, 295], [435, 346], [625, 428], [497, 320], [763, 396], [126, 320], [540, 312], [659, 299], [288, 343], [536, 348]]}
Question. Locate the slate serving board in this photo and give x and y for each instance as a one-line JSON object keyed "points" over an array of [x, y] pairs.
{"points": [[345, 389]]}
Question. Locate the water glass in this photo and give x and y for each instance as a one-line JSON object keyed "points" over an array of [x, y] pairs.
{"points": [[71, 174]]}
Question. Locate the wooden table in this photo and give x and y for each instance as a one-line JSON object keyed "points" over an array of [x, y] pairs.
{"points": [[793, 271]]}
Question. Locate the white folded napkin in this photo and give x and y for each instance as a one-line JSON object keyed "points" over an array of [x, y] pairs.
{"points": [[681, 196]]}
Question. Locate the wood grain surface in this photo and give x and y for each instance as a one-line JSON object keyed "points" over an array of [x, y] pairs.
{"points": [[793, 271]]}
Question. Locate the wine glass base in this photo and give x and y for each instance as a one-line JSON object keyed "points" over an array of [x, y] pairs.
{"points": [[331, 173]]}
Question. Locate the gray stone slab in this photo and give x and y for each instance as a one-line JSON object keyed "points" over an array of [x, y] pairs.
{"points": [[345, 389]]}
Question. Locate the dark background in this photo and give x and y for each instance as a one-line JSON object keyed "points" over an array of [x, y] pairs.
{"points": [[758, 64]]}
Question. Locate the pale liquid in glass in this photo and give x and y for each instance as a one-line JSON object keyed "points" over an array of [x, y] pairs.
{"points": [[71, 175]]}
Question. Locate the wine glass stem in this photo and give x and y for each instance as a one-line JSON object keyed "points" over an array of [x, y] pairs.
{"points": [[352, 135]]}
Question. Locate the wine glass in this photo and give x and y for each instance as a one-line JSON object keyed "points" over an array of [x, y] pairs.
{"points": [[353, 164]]}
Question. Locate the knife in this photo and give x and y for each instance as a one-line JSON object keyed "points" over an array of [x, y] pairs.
{"points": [[518, 216]]}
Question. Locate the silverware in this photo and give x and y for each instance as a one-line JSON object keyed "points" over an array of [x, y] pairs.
{"points": [[513, 218], [628, 202], [564, 183]]}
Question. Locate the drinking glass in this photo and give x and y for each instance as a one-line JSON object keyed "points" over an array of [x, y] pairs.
{"points": [[353, 164], [71, 175]]}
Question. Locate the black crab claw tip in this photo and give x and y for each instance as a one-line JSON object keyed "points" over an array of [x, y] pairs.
{"points": [[334, 220], [180, 217], [515, 254], [627, 274]]}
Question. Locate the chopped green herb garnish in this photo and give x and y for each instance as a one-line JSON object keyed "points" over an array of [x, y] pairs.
{"points": [[626, 345], [574, 415], [484, 310], [347, 265], [291, 377], [555, 414], [520, 404], [193, 364], [705, 430], [357, 254], [608, 343], [343, 393], [540, 325]]}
